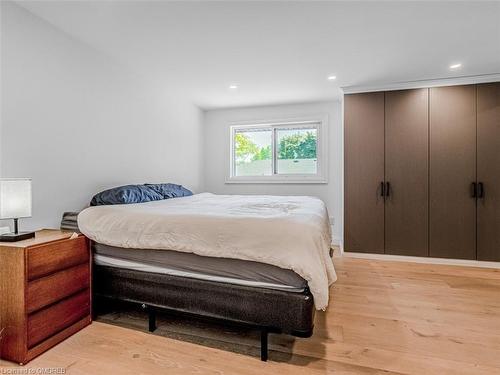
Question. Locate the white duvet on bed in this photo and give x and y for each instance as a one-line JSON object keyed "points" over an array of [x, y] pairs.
{"points": [[289, 232]]}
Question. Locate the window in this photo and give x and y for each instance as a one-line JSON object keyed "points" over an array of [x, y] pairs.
{"points": [[253, 152], [282, 151]]}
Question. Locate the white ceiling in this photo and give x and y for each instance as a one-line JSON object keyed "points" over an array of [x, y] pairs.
{"points": [[282, 52]]}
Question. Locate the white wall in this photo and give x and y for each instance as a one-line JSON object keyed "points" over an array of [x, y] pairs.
{"points": [[216, 154], [77, 122]]}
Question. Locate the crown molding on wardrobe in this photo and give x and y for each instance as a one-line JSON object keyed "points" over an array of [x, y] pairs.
{"points": [[452, 81]]}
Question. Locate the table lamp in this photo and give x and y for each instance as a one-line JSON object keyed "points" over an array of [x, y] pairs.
{"points": [[15, 203]]}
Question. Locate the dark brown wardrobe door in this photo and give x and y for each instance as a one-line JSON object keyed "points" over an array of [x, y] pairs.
{"points": [[406, 171], [452, 172], [364, 171], [488, 171]]}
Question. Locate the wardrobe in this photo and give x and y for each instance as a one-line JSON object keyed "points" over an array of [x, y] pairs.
{"points": [[422, 172]]}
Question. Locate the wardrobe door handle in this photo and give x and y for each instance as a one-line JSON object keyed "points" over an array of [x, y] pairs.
{"points": [[382, 189], [473, 190], [387, 189], [480, 190]]}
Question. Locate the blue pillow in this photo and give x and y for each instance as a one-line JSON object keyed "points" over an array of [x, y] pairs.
{"points": [[125, 195], [170, 190]]}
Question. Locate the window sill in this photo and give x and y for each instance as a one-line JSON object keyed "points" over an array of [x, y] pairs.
{"points": [[276, 180]]}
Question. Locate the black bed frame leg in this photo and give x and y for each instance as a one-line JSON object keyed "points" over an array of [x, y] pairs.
{"points": [[151, 317], [263, 345], [152, 320]]}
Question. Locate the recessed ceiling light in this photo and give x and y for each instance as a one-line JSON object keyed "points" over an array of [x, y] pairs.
{"points": [[455, 66], [233, 87], [332, 78]]}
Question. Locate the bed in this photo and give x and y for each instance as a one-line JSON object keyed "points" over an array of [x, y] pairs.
{"points": [[258, 261]]}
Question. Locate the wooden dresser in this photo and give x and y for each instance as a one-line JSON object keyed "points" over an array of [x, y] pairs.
{"points": [[44, 292]]}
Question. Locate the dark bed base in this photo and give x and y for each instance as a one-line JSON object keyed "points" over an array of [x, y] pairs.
{"points": [[270, 311]]}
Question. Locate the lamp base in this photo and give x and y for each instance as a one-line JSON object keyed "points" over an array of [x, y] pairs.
{"points": [[13, 237]]}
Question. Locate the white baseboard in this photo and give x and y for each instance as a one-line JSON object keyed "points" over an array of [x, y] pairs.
{"points": [[402, 258]]}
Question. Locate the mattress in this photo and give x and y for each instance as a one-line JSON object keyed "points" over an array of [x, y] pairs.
{"points": [[223, 270], [289, 232]]}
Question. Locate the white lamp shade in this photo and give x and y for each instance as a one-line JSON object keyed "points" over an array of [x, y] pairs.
{"points": [[15, 198]]}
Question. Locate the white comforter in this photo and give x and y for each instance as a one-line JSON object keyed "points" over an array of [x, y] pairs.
{"points": [[288, 232]]}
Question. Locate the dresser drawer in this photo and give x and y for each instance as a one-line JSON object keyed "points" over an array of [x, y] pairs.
{"points": [[53, 319], [52, 288], [51, 257]]}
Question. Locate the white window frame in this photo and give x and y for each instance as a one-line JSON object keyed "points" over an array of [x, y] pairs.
{"points": [[321, 177]]}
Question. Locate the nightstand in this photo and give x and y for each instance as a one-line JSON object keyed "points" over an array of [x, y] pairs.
{"points": [[44, 292]]}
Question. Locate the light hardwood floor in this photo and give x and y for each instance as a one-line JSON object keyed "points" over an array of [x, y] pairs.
{"points": [[384, 318]]}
